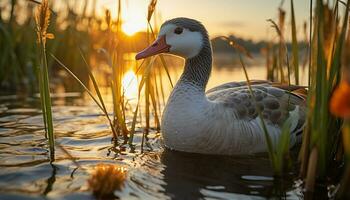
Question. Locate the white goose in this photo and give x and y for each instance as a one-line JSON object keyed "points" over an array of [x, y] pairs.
{"points": [[223, 120]]}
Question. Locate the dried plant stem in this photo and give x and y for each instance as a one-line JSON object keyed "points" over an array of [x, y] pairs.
{"points": [[311, 171]]}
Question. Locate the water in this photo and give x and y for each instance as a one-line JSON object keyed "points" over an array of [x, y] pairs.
{"points": [[26, 172]]}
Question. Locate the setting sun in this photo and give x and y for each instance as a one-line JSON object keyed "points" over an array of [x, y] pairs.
{"points": [[132, 27], [130, 85]]}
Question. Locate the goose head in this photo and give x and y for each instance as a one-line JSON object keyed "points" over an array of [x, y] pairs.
{"points": [[182, 37]]}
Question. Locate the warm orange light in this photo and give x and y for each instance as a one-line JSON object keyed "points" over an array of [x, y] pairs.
{"points": [[340, 101], [130, 85], [132, 27]]}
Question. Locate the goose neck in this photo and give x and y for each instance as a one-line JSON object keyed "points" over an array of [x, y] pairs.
{"points": [[198, 69]]}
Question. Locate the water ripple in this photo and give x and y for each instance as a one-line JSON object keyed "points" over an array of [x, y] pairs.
{"points": [[26, 172]]}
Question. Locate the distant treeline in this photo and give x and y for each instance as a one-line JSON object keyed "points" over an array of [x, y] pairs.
{"points": [[221, 46]]}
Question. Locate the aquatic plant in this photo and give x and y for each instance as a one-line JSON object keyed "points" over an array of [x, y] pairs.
{"points": [[321, 146], [322, 140], [323, 129], [42, 18], [339, 106], [149, 84]]}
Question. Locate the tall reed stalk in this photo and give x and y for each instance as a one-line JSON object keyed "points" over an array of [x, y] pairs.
{"points": [[295, 48], [42, 18]]}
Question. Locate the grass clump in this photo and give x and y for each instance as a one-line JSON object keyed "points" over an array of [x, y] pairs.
{"points": [[322, 146], [322, 135], [149, 92]]}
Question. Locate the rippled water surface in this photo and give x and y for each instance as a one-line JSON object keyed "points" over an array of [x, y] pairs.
{"points": [[26, 173]]}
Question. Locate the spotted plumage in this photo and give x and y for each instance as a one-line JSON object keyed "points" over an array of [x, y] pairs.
{"points": [[274, 103]]}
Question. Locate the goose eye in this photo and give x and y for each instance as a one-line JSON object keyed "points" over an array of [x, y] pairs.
{"points": [[178, 30]]}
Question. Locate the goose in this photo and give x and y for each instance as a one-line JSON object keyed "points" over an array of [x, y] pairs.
{"points": [[223, 120]]}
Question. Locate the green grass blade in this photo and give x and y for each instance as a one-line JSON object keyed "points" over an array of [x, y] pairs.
{"points": [[282, 150], [94, 82], [144, 78], [266, 133], [89, 93], [47, 101], [79, 81], [42, 101], [335, 67]]}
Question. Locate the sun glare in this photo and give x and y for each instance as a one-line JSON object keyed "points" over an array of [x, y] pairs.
{"points": [[132, 27], [130, 85]]}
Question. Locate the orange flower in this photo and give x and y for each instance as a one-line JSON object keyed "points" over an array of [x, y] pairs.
{"points": [[340, 101], [106, 178]]}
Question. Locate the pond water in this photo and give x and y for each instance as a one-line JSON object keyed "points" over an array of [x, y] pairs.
{"points": [[157, 173]]}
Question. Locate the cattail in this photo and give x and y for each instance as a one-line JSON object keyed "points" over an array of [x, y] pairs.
{"points": [[42, 19], [106, 178]]}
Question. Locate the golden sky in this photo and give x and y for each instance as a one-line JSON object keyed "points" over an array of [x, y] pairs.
{"points": [[245, 18]]}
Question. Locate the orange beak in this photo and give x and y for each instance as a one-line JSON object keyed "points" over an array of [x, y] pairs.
{"points": [[158, 46]]}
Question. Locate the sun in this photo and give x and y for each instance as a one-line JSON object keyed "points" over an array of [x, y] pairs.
{"points": [[132, 27], [130, 85]]}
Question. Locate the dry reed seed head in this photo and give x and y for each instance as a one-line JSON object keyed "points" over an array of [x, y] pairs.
{"points": [[42, 19], [106, 178], [340, 100], [275, 26], [151, 8], [281, 17]]}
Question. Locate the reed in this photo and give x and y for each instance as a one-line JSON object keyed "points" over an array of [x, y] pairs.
{"points": [[323, 127], [148, 89], [321, 147], [42, 18], [118, 70], [149, 84]]}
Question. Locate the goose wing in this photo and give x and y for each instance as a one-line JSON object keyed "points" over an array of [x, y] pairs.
{"points": [[276, 103]]}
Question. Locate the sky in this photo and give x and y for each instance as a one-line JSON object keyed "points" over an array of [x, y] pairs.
{"points": [[245, 18]]}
